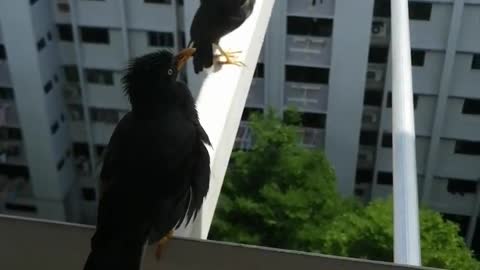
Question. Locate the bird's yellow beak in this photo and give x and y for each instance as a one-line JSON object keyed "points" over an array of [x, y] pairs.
{"points": [[182, 57]]}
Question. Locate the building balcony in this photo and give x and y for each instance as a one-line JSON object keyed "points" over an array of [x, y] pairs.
{"points": [[54, 245], [308, 51], [306, 96]]}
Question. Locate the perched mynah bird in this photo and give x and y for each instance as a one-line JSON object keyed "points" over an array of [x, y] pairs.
{"points": [[213, 20], [156, 169]]}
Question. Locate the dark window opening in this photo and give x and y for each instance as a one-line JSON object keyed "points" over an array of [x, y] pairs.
{"points": [[95, 35], [65, 32], [14, 171], [369, 138], [418, 58], [471, 106], [48, 87], [104, 115], [476, 61], [420, 11], [71, 73], [99, 149], [259, 71], [313, 120], [247, 112], [54, 127], [99, 76], [378, 55], [80, 149], [6, 93], [158, 1], [382, 9], [385, 178], [160, 39], [20, 207], [364, 176], [307, 74], [387, 140], [461, 221], [3, 53], [373, 98], [460, 186], [9, 133], [309, 26], [88, 194], [32, 2], [467, 148]]}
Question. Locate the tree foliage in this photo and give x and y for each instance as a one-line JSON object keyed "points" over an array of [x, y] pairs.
{"points": [[280, 194]]}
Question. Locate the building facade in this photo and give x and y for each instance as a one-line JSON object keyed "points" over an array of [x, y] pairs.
{"points": [[328, 58]]}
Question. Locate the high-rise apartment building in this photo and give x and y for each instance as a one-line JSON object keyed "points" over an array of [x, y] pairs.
{"points": [[60, 94]]}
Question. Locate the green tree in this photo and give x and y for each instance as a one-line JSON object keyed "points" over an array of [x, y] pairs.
{"points": [[278, 194], [368, 233]]}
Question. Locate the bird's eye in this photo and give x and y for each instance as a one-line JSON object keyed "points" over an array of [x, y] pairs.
{"points": [[170, 71]]}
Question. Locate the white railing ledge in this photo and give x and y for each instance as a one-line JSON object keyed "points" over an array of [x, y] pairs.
{"points": [[221, 100]]}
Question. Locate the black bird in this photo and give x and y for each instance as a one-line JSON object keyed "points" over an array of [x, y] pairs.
{"points": [[156, 167], [213, 20]]}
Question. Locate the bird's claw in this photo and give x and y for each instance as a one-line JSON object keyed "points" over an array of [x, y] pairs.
{"points": [[231, 58], [160, 245]]}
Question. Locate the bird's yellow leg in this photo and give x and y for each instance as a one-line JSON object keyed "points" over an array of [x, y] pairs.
{"points": [[231, 58], [160, 245]]}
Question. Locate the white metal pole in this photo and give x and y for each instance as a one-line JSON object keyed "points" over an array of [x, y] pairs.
{"points": [[406, 227]]}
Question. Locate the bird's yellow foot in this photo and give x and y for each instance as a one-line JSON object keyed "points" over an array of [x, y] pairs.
{"points": [[230, 58], [161, 244]]}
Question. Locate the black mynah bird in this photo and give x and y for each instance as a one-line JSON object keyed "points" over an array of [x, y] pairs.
{"points": [[213, 20], [156, 167]]}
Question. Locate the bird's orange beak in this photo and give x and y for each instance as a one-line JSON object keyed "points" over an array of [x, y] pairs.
{"points": [[182, 57]]}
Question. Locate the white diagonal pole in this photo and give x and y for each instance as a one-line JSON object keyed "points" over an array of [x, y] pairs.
{"points": [[406, 227]]}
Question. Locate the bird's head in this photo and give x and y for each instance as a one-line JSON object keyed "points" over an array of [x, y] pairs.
{"points": [[152, 77]]}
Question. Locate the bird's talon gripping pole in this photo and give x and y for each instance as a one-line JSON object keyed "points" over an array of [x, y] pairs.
{"points": [[230, 57]]}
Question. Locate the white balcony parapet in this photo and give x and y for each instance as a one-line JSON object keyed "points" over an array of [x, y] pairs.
{"points": [[221, 100], [35, 244]]}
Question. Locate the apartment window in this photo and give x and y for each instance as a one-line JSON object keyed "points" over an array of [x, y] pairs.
{"points": [[467, 147], [65, 32], [63, 7], [373, 98], [306, 74], [309, 26], [71, 73], [88, 194], [3, 53], [387, 140], [95, 35], [385, 178], [48, 87], [471, 106], [389, 100], [6, 93], [378, 55], [313, 120], [461, 186], [259, 71], [418, 58], [80, 149], [99, 76], [41, 44], [420, 11], [20, 207], [158, 1], [14, 171], [382, 9], [247, 112], [104, 115], [60, 164], [476, 61], [54, 127], [364, 176], [14, 134], [368, 138], [160, 39], [99, 149]]}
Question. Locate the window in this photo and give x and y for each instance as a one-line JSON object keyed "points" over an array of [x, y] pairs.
{"points": [[99, 149], [373, 98], [387, 140], [60, 164], [382, 9], [6, 93], [65, 32], [378, 55], [461, 221], [313, 120], [14, 134], [259, 71], [471, 106], [99, 76], [20, 207], [385, 178], [80, 149], [181, 34], [3, 53], [461, 186], [306, 74], [88, 194], [71, 73], [364, 176], [420, 11], [159, 1], [104, 115], [95, 35], [54, 127], [41, 44], [476, 61], [14, 171], [389, 100], [63, 7], [247, 112], [368, 138], [160, 39], [309, 26], [467, 148], [48, 87], [418, 57]]}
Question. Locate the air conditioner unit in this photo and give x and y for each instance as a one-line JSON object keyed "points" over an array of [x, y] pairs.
{"points": [[369, 118], [375, 75], [379, 29]]}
